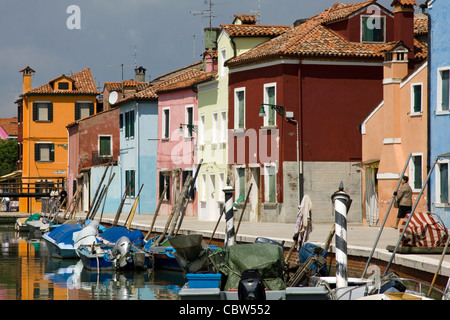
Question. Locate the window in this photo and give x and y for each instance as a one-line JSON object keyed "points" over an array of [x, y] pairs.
{"points": [[186, 174], [443, 90], [416, 98], [121, 121], [239, 108], [129, 124], [372, 28], [203, 188], [63, 85], [212, 186], [223, 127], [270, 98], [223, 57], [415, 172], [201, 130], [189, 120], [164, 178], [270, 180], [442, 182], [215, 127], [130, 176], [166, 123], [240, 182], [43, 111], [83, 110], [44, 152], [221, 186], [104, 146]]}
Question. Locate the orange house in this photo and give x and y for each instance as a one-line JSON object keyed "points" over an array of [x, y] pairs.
{"points": [[396, 129], [44, 113]]}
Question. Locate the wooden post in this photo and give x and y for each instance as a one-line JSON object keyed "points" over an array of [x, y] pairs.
{"points": [[161, 198], [133, 209]]}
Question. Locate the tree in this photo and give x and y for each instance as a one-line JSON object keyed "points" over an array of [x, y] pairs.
{"points": [[8, 156]]}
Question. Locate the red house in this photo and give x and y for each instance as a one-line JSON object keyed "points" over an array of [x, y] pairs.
{"points": [[324, 75]]}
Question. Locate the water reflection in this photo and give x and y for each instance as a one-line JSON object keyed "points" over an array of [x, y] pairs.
{"points": [[27, 272]]}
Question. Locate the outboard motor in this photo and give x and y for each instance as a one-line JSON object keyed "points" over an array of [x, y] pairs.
{"points": [[120, 251], [251, 286]]}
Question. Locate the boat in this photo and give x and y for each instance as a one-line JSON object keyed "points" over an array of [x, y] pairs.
{"points": [[64, 239], [21, 223], [163, 255], [122, 255]]}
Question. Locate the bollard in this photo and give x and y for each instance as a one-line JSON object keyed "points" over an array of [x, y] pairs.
{"points": [[229, 216], [341, 202]]}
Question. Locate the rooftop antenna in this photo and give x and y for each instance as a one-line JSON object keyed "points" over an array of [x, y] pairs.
{"points": [[258, 12], [208, 12]]}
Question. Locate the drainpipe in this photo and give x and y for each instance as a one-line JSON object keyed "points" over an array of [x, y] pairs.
{"points": [[423, 7]]}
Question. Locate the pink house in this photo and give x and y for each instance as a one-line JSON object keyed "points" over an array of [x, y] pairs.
{"points": [[177, 135]]}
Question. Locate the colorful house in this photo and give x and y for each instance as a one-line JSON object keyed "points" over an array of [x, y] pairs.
{"points": [[178, 135], [8, 128], [396, 128], [44, 113], [213, 122], [439, 116], [326, 75], [94, 143]]}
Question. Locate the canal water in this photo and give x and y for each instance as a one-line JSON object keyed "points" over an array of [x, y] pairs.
{"points": [[27, 272]]}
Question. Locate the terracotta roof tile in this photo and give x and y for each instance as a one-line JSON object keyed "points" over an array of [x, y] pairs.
{"points": [[404, 2], [246, 30], [83, 83], [314, 39], [10, 125], [420, 24], [246, 18]]}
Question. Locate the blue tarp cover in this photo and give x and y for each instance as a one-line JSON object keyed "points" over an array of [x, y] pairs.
{"points": [[115, 233], [64, 233], [308, 250]]}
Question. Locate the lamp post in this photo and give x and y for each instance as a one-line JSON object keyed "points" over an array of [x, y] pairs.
{"points": [[289, 116]]}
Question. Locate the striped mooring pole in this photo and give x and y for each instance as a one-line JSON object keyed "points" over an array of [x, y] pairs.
{"points": [[229, 216], [341, 201]]}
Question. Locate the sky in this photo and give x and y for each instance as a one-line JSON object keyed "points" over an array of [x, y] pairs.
{"points": [[56, 37]]}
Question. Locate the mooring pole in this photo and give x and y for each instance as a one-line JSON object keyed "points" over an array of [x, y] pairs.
{"points": [[229, 216], [341, 202]]}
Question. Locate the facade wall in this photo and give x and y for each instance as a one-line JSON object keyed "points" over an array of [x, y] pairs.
{"points": [[439, 119]]}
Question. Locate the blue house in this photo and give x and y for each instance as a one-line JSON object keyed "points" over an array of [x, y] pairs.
{"points": [[138, 149], [439, 129]]}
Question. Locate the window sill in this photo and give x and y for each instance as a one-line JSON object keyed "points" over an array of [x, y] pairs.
{"points": [[239, 130], [442, 112], [415, 114], [269, 127], [442, 205], [270, 204]]}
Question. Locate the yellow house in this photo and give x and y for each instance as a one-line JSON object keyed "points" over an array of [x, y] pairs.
{"points": [[44, 113]]}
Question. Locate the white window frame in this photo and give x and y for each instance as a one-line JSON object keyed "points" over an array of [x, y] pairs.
{"points": [[186, 120], [416, 113], [163, 125], [110, 144], [438, 202], [374, 16], [236, 108], [268, 109], [201, 130], [215, 128], [223, 126], [221, 186], [439, 110], [267, 167], [412, 171], [222, 59], [203, 188]]}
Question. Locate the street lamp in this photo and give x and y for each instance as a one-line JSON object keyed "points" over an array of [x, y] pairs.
{"points": [[289, 116]]}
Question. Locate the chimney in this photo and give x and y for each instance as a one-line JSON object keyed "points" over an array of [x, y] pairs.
{"points": [[27, 72], [404, 24], [140, 74]]}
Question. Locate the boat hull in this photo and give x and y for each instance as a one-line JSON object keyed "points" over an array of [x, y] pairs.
{"points": [[100, 261], [60, 250]]}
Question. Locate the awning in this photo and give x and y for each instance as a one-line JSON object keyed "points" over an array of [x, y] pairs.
{"points": [[373, 163]]}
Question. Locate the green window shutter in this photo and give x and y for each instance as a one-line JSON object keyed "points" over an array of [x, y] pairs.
{"points": [[35, 111], [241, 115], [132, 123], [50, 111], [417, 98], [445, 90], [91, 108], [127, 124], [77, 111], [272, 185], [52, 152], [270, 110], [241, 173], [37, 152], [417, 160], [444, 182], [105, 146], [121, 120]]}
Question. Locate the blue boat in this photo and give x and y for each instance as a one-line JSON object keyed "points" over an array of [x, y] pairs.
{"points": [[122, 255], [60, 241], [119, 248], [64, 239], [163, 256]]}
